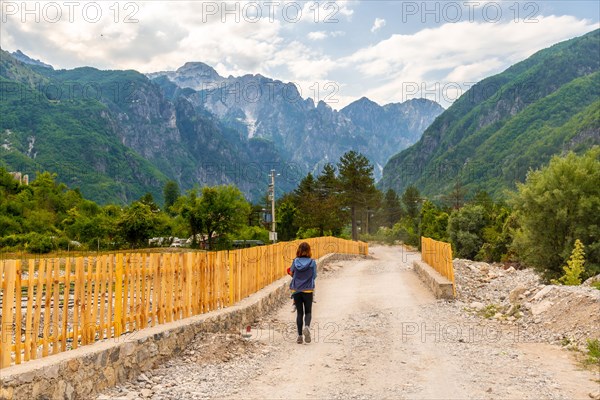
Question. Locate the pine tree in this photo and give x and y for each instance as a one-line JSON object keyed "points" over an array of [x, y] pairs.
{"points": [[411, 199], [171, 194], [392, 208], [357, 185], [306, 201], [330, 216]]}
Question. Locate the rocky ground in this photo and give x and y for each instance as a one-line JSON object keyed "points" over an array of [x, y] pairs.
{"points": [[565, 315], [378, 333]]}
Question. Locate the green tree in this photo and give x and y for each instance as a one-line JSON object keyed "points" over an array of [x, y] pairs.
{"points": [[137, 224], [188, 208], [465, 228], [286, 219], [484, 199], [556, 205], [48, 193], [306, 197], [456, 197], [329, 214], [324, 191], [412, 200], [254, 218], [357, 185], [496, 234], [171, 193], [148, 200], [392, 208], [8, 184], [434, 222], [223, 210]]}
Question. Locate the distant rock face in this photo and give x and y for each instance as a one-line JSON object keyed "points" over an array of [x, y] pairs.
{"points": [[393, 126], [193, 75], [24, 58], [191, 145], [305, 134]]}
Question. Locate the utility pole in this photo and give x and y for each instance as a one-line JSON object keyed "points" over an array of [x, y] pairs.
{"points": [[273, 233]]}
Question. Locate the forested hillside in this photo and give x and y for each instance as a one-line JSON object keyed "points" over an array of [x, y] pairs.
{"points": [[508, 124]]}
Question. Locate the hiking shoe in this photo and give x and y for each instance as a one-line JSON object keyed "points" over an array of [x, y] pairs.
{"points": [[306, 332], [299, 341]]}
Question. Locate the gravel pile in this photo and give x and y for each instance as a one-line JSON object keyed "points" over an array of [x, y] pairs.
{"points": [[567, 315]]}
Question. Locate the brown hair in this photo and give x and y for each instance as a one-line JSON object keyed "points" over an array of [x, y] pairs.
{"points": [[304, 250]]}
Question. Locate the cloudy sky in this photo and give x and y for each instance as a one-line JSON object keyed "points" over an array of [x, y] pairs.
{"points": [[336, 51]]}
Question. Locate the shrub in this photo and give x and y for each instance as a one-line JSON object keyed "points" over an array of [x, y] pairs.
{"points": [[407, 232], [253, 233], [434, 222], [465, 229], [574, 267], [308, 233], [593, 348], [37, 243]]}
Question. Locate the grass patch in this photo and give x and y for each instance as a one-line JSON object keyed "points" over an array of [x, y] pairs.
{"points": [[593, 352], [488, 311]]}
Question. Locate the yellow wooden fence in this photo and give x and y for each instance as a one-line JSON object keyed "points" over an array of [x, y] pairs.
{"points": [[438, 255], [50, 305]]}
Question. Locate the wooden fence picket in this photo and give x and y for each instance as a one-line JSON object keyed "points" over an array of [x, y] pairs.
{"points": [[8, 293]]}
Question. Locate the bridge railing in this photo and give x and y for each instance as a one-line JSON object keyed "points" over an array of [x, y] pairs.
{"points": [[439, 256], [51, 305]]}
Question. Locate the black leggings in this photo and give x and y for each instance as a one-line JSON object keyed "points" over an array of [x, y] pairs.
{"points": [[303, 302]]}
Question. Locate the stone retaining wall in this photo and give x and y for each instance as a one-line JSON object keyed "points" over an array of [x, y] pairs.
{"points": [[439, 285], [83, 372]]}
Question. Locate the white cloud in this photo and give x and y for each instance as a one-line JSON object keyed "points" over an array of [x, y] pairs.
{"points": [[344, 8], [318, 35], [378, 24], [460, 53], [302, 62], [167, 36]]}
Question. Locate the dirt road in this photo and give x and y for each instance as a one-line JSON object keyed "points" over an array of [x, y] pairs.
{"points": [[378, 333]]}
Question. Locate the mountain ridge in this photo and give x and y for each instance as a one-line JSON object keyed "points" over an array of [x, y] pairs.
{"points": [[521, 110], [167, 130], [262, 107]]}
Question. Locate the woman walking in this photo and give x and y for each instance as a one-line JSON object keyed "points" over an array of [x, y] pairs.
{"points": [[304, 273]]}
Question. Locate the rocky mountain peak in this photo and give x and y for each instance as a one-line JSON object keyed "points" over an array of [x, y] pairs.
{"points": [[324, 107], [199, 68], [24, 58], [364, 102], [194, 75]]}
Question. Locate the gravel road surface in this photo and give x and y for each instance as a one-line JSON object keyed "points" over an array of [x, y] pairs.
{"points": [[378, 333]]}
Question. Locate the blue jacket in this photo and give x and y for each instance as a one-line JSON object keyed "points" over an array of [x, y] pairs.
{"points": [[304, 271]]}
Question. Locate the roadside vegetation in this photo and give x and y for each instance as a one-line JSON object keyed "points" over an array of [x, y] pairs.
{"points": [[549, 223]]}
